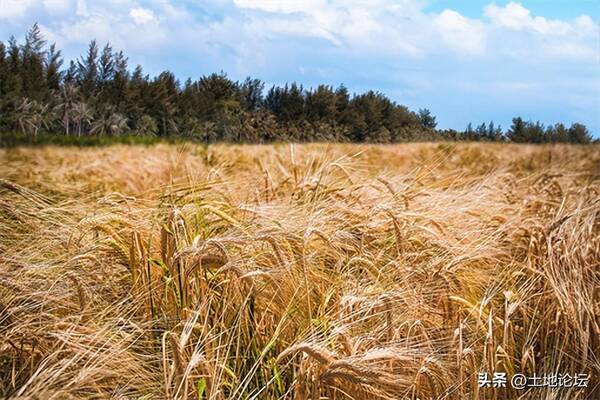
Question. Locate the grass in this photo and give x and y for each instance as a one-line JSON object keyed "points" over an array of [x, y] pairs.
{"points": [[297, 271], [16, 139]]}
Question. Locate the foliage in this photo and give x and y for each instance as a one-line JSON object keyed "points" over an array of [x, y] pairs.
{"points": [[18, 139], [98, 95]]}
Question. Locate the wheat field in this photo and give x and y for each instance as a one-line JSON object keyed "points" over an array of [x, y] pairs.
{"points": [[308, 271]]}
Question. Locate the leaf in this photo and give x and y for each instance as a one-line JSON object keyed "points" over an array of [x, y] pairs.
{"points": [[201, 386]]}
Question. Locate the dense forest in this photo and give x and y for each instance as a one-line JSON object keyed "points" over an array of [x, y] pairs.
{"points": [[99, 95]]}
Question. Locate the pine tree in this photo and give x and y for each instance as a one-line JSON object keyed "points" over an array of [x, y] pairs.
{"points": [[3, 87], [71, 74], [87, 71], [516, 132], [321, 104], [579, 134], [426, 120], [494, 133], [342, 100], [163, 92], [106, 66], [252, 94], [137, 98], [13, 85], [481, 132], [559, 133], [292, 103], [469, 133], [32, 70], [98, 93], [53, 63]]}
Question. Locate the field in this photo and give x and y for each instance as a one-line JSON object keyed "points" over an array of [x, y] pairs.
{"points": [[298, 271]]}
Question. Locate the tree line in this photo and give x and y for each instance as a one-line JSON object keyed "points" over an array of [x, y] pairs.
{"points": [[99, 95]]}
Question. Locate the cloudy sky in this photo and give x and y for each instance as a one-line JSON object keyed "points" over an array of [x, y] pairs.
{"points": [[465, 60]]}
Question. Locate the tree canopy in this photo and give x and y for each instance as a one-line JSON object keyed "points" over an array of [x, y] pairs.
{"points": [[98, 94]]}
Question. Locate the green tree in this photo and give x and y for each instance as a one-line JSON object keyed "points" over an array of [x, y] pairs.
{"points": [[82, 116], [87, 71], [321, 104], [426, 120], [216, 92], [32, 70], [559, 133], [52, 64], [136, 99], [481, 132], [66, 101], [162, 98], [494, 133], [252, 94], [517, 131], [109, 123], [535, 133], [98, 93], [579, 134], [105, 66], [146, 126], [32, 116]]}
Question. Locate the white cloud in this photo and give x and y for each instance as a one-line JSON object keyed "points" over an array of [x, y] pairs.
{"points": [[405, 28], [375, 26], [527, 36], [10, 9], [567, 49], [283, 6], [56, 7], [585, 26], [88, 28], [515, 16], [460, 33], [82, 8], [398, 46], [298, 28], [141, 15], [123, 23], [250, 31]]}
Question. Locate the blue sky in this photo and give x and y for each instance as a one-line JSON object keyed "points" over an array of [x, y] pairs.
{"points": [[467, 61]]}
